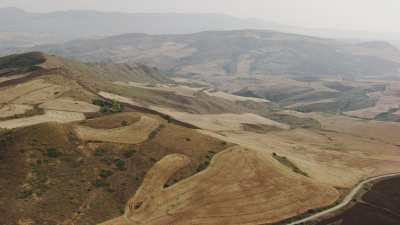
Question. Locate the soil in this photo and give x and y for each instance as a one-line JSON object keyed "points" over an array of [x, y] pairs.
{"points": [[381, 205]]}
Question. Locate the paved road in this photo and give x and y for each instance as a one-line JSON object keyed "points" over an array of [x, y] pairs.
{"points": [[345, 201]]}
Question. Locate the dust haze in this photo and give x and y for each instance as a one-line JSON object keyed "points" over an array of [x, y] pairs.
{"points": [[360, 15]]}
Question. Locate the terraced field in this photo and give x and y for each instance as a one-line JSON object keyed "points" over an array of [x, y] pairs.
{"points": [[10, 110], [33, 92], [47, 117], [68, 104], [131, 134], [221, 122]]}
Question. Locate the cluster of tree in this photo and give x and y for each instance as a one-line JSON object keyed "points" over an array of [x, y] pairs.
{"points": [[108, 106]]}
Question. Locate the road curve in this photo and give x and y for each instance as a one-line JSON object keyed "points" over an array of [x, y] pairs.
{"points": [[345, 201]]}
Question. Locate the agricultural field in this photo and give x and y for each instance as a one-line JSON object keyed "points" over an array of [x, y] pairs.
{"points": [[135, 133], [47, 117], [240, 186], [157, 151]]}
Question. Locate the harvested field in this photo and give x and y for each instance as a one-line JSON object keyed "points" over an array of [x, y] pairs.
{"points": [[112, 121], [190, 81], [309, 103], [133, 134], [69, 105], [118, 98], [190, 91], [387, 132], [221, 122], [176, 89], [339, 160], [235, 98], [9, 110], [32, 92], [239, 187], [49, 116], [7, 78]]}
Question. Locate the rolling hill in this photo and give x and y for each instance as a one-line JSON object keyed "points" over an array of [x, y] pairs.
{"points": [[157, 151], [20, 28], [246, 52]]}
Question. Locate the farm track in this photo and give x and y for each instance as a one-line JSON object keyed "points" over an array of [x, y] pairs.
{"points": [[345, 201]]}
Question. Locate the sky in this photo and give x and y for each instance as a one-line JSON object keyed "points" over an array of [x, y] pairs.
{"points": [[363, 15]]}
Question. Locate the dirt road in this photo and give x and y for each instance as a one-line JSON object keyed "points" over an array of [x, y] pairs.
{"points": [[345, 201]]}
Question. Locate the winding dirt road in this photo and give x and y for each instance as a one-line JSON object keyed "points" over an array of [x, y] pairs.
{"points": [[345, 201]]}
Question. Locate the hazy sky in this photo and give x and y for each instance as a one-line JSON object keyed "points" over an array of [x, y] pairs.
{"points": [[368, 15]]}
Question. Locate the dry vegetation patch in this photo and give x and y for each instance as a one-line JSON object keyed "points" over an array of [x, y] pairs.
{"points": [[53, 177]]}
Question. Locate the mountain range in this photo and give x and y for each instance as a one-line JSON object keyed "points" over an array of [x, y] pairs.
{"points": [[22, 28], [244, 52]]}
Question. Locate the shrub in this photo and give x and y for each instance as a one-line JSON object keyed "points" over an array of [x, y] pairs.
{"points": [[52, 153], [108, 107], [100, 152], [24, 194], [107, 160], [116, 107], [100, 183], [120, 164], [105, 173], [129, 153]]}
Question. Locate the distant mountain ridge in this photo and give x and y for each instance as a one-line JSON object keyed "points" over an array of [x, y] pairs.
{"points": [[242, 52], [19, 27], [79, 24]]}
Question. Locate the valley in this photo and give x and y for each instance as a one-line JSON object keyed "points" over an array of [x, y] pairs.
{"points": [[157, 149]]}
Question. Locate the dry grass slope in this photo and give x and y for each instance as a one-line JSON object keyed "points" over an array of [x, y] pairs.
{"points": [[239, 187]]}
